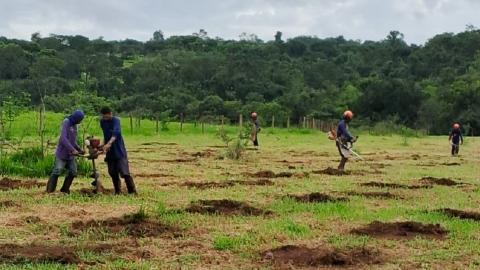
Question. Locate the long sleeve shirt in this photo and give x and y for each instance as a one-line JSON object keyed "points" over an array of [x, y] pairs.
{"points": [[111, 128], [67, 142], [342, 132]]}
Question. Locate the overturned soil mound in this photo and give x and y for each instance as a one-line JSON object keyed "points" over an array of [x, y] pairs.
{"points": [[226, 184], [316, 197], [90, 192], [291, 257], [392, 185], [332, 171], [7, 184], [11, 253], [126, 249], [374, 194], [7, 204], [157, 143], [460, 214], [204, 154], [225, 207], [152, 175], [407, 229], [438, 181], [270, 174], [129, 224], [180, 160]]}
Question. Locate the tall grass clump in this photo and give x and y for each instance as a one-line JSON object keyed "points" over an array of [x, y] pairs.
{"points": [[30, 162]]}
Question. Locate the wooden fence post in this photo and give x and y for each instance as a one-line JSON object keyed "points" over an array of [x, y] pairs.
{"points": [[304, 121], [203, 127], [156, 124], [181, 122], [131, 124], [240, 121], [288, 122], [223, 121], [273, 121]]}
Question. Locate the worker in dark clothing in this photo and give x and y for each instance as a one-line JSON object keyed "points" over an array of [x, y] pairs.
{"points": [[116, 154], [344, 139], [455, 138], [255, 128], [67, 149]]}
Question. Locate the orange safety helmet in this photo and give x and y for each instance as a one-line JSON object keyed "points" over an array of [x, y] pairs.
{"points": [[456, 126], [254, 115], [348, 115]]}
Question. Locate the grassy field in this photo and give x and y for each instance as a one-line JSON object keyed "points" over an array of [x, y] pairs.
{"points": [[171, 225]]}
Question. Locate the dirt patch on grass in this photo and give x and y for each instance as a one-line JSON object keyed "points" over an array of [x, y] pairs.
{"points": [[90, 192], [12, 253], [8, 184], [393, 185], [8, 204], [180, 160], [125, 249], [451, 164], [226, 184], [374, 194], [332, 171], [153, 175], [293, 257], [438, 181], [460, 214], [129, 224], [407, 229], [204, 154], [269, 174], [32, 219], [225, 207], [157, 143], [316, 197]]}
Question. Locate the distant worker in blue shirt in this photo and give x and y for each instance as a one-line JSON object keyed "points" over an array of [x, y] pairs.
{"points": [[344, 139], [455, 138], [116, 154]]}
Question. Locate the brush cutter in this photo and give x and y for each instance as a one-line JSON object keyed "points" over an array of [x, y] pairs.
{"points": [[349, 147]]}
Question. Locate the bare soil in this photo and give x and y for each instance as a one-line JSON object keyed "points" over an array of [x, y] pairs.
{"points": [[438, 181], [37, 253], [8, 184], [374, 194], [293, 257], [8, 204], [180, 160], [226, 184], [460, 214], [316, 197], [270, 174], [332, 171], [132, 226], [90, 192], [393, 185], [152, 175], [407, 229], [225, 207], [157, 143]]}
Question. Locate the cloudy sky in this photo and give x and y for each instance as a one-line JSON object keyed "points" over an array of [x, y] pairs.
{"points": [[138, 19]]}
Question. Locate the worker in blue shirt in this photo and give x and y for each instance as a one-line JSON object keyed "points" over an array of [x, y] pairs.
{"points": [[344, 139], [116, 154], [455, 138]]}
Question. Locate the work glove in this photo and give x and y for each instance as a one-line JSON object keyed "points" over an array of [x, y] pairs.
{"points": [[81, 152]]}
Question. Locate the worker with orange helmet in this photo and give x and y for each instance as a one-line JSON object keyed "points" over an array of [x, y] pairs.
{"points": [[455, 138], [255, 128], [344, 139]]}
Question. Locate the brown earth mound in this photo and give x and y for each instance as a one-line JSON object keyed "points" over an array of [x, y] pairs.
{"points": [[392, 185], [407, 229], [225, 207], [226, 184], [158, 143], [451, 164], [293, 257], [7, 204], [332, 171], [460, 214], [90, 192], [374, 194], [131, 225], [438, 181], [152, 175], [8, 184], [125, 249], [206, 153], [12, 253], [32, 219], [316, 197], [180, 160], [269, 174]]}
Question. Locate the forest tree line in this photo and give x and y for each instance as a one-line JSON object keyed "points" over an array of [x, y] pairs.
{"points": [[424, 87]]}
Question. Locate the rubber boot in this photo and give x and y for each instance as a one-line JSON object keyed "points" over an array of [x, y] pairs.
{"points": [[117, 185], [67, 183], [130, 185], [341, 166], [52, 183]]}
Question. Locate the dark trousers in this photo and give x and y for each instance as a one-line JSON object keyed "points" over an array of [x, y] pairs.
{"points": [[119, 168], [61, 164], [344, 159], [455, 149], [255, 141]]}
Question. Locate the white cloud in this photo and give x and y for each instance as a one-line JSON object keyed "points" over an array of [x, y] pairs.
{"points": [[355, 19]]}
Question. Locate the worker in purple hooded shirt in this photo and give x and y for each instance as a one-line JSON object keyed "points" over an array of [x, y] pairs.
{"points": [[67, 149]]}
